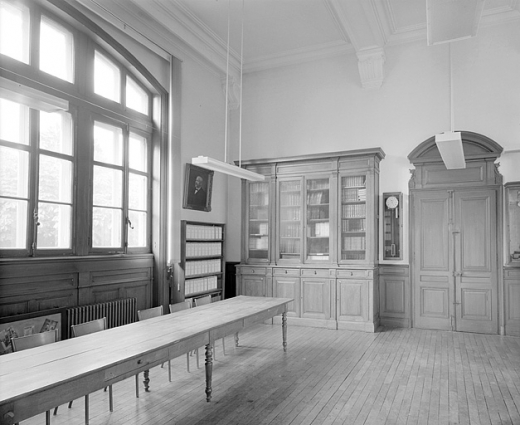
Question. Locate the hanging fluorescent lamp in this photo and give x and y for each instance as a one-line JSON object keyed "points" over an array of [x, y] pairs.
{"points": [[449, 143], [450, 148], [214, 164], [223, 167]]}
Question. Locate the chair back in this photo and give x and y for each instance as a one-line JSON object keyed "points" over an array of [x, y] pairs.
{"points": [[89, 327], [202, 300], [150, 312], [34, 340], [180, 306]]}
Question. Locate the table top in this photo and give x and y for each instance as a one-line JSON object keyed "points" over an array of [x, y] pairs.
{"points": [[32, 371]]}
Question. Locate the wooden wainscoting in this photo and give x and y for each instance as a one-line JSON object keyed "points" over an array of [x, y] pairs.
{"points": [[37, 284], [394, 295]]}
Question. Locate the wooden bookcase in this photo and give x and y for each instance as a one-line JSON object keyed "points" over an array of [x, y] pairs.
{"points": [[202, 260], [310, 232]]}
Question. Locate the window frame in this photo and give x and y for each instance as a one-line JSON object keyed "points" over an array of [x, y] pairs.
{"points": [[84, 102]]}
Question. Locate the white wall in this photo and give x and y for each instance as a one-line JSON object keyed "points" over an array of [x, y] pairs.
{"points": [[320, 106]]}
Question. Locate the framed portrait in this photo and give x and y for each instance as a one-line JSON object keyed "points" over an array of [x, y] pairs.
{"points": [[198, 183]]}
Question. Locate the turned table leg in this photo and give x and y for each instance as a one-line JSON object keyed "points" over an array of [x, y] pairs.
{"points": [[146, 380], [284, 331], [209, 370]]}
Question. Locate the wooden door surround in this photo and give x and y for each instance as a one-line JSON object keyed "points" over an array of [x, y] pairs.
{"points": [[455, 238]]}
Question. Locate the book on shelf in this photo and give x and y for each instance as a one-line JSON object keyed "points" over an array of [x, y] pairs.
{"points": [[198, 267], [196, 231]]}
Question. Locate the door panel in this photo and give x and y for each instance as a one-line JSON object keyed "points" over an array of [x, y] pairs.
{"points": [[475, 261], [454, 260], [432, 259]]}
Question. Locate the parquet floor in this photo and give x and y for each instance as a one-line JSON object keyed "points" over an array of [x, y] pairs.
{"points": [[327, 377]]}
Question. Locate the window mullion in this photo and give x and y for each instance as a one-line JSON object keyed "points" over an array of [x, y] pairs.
{"points": [[34, 169]]}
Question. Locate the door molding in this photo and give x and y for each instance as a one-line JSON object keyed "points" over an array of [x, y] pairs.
{"points": [[481, 172]]}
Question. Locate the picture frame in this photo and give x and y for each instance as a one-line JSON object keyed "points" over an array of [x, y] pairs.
{"points": [[198, 185]]}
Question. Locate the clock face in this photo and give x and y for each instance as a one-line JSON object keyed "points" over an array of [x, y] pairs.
{"points": [[392, 202]]}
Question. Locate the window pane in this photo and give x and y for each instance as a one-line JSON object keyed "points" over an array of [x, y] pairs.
{"points": [[106, 228], [56, 132], [137, 152], [13, 223], [14, 172], [14, 122], [55, 180], [56, 50], [55, 225], [137, 186], [14, 31], [137, 233], [107, 78], [108, 144], [108, 187], [136, 97]]}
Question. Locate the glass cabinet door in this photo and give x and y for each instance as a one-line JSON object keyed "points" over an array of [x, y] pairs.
{"points": [[290, 234], [513, 221], [353, 217], [259, 221], [318, 222]]}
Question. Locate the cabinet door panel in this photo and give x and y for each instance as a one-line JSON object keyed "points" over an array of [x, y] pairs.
{"points": [[254, 286], [286, 287], [353, 300], [316, 298]]}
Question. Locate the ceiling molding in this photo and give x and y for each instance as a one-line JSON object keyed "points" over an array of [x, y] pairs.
{"points": [[371, 68], [297, 56]]}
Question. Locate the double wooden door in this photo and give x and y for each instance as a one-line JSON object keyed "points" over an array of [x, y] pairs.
{"points": [[454, 260]]}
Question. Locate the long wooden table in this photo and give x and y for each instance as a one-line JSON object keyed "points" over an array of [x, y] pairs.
{"points": [[36, 380]]}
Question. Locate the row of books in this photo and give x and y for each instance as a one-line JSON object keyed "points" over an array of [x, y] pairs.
{"points": [[315, 198], [353, 181], [291, 199], [196, 231], [259, 198], [202, 267], [290, 230], [353, 225], [203, 249], [259, 243], [320, 229], [353, 195], [317, 213], [256, 213], [354, 243], [201, 284], [293, 214], [258, 187], [259, 229], [290, 246], [353, 211]]}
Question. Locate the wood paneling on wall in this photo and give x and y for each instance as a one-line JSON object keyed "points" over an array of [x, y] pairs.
{"points": [[37, 284], [394, 288]]}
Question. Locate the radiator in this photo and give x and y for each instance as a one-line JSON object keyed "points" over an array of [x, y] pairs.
{"points": [[118, 312]]}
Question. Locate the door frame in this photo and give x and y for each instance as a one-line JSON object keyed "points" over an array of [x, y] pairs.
{"points": [[480, 153]]}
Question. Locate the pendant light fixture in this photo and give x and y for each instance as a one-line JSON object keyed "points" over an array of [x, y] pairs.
{"points": [[214, 164], [450, 143]]}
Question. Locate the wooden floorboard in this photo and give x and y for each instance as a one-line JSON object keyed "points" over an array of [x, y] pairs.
{"points": [[327, 377]]}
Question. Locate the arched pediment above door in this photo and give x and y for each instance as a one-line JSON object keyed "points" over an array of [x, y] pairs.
{"points": [[475, 146], [480, 153]]}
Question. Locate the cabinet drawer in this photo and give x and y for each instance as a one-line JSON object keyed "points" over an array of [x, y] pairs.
{"points": [[286, 272], [315, 273], [253, 270], [355, 274]]}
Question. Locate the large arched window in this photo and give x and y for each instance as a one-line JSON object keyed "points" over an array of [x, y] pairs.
{"points": [[76, 139]]}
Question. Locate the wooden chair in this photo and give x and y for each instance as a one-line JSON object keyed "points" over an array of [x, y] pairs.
{"points": [[85, 329], [186, 304], [144, 315], [207, 300], [35, 340]]}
